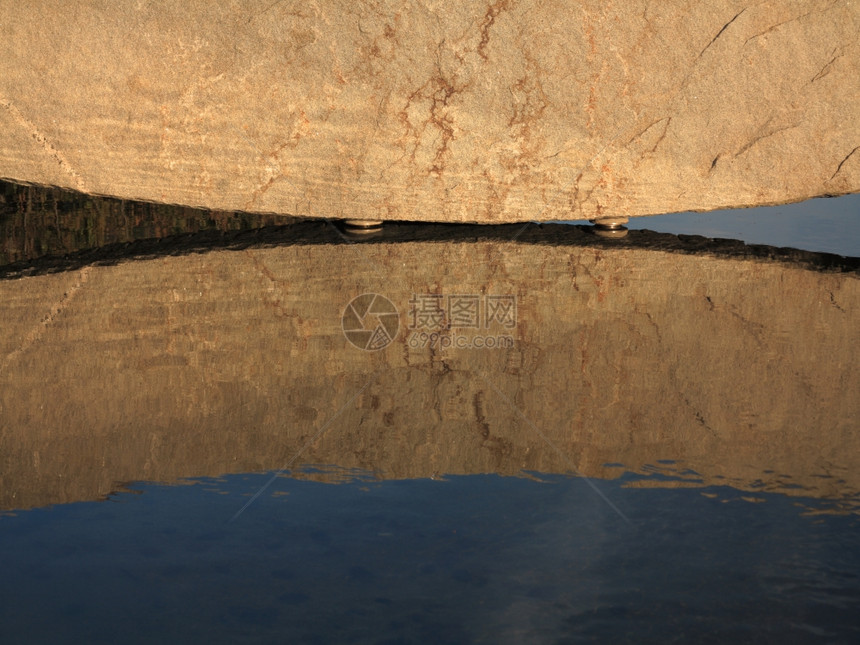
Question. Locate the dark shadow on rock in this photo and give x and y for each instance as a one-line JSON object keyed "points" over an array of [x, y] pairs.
{"points": [[29, 215]]}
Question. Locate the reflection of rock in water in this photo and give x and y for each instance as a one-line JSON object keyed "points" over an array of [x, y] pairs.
{"points": [[232, 361], [37, 222]]}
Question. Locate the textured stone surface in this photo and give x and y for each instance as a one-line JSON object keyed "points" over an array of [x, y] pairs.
{"points": [[743, 371], [430, 110]]}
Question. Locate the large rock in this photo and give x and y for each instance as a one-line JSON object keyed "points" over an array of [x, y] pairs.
{"points": [[430, 110]]}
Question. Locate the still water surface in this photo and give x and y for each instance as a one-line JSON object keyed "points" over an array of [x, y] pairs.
{"points": [[482, 558], [669, 452]]}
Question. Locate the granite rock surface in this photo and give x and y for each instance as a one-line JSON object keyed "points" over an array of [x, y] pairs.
{"points": [[427, 110]]}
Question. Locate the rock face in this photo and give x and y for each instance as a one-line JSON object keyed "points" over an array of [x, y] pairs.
{"points": [[435, 111], [741, 372]]}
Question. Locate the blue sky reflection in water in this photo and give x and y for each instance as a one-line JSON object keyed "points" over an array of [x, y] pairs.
{"points": [[466, 559], [826, 225]]}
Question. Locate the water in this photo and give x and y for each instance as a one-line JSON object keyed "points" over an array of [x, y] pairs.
{"points": [[465, 559], [830, 225], [194, 449]]}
